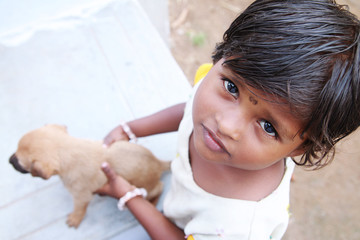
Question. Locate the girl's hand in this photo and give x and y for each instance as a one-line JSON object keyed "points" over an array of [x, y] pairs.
{"points": [[164, 121], [116, 134], [155, 223], [116, 185]]}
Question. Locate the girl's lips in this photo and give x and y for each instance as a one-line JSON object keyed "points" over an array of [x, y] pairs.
{"points": [[212, 141]]}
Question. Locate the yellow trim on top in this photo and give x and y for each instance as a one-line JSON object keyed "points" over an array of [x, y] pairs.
{"points": [[202, 71]]}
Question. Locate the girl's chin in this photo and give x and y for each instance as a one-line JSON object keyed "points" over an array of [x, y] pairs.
{"points": [[208, 153]]}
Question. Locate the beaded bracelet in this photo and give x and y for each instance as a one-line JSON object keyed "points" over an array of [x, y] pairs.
{"points": [[129, 195], [128, 131]]}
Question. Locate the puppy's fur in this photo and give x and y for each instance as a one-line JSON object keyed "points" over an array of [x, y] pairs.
{"points": [[50, 150]]}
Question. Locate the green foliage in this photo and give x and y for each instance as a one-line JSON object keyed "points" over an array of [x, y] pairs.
{"points": [[197, 38]]}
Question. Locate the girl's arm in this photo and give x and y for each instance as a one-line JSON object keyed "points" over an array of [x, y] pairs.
{"points": [[167, 120], [155, 223]]}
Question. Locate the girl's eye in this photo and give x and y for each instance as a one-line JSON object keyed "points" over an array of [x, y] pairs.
{"points": [[231, 88], [268, 128]]}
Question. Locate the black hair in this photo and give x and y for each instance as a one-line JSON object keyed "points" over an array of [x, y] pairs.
{"points": [[305, 52]]}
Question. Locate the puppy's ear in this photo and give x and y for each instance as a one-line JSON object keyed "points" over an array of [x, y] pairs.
{"points": [[62, 128], [41, 169]]}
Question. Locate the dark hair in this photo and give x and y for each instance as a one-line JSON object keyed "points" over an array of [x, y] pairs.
{"points": [[305, 52]]}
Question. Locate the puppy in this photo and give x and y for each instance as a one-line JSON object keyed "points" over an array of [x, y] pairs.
{"points": [[49, 150]]}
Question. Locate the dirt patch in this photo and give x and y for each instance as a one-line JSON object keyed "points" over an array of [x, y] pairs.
{"points": [[324, 203], [196, 26]]}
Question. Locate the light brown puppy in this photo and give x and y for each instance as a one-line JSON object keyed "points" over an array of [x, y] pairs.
{"points": [[49, 150]]}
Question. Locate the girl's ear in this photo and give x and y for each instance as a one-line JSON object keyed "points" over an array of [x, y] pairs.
{"points": [[298, 151]]}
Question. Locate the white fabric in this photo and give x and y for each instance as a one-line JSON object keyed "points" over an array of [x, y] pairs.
{"points": [[207, 216]]}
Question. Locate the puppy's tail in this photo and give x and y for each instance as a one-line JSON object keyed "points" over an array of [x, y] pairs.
{"points": [[165, 165]]}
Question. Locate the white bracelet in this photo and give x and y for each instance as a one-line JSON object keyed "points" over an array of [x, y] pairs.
{"points": [[129, 195], [128, 131]]}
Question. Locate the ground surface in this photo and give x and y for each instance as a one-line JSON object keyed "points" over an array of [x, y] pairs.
{"points": [[324, 203]]}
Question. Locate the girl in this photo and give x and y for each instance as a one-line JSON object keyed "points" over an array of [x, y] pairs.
{"points": [[285, 83]]}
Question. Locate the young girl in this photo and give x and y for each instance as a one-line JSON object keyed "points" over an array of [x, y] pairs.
{"points": [[285, 83]]}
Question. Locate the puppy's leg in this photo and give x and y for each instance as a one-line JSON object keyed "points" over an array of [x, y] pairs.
{"points": [[81, 201], [154, 194]]}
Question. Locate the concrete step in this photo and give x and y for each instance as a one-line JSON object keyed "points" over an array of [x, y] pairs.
{"points": [[87, 71]]}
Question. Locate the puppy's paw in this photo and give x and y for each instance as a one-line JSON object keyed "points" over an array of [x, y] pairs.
{"points": [[74, 220]]}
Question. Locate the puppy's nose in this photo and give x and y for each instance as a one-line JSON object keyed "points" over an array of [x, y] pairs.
{"points": [[15, 162], [13, 159]]}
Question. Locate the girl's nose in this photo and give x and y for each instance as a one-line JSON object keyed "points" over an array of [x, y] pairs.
{"points": [[231, 124]]}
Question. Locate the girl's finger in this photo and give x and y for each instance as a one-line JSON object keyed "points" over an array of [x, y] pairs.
{"points": [[110, 174]]}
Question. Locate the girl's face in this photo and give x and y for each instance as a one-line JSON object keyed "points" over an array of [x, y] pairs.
{"points": [[238, 126]]}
